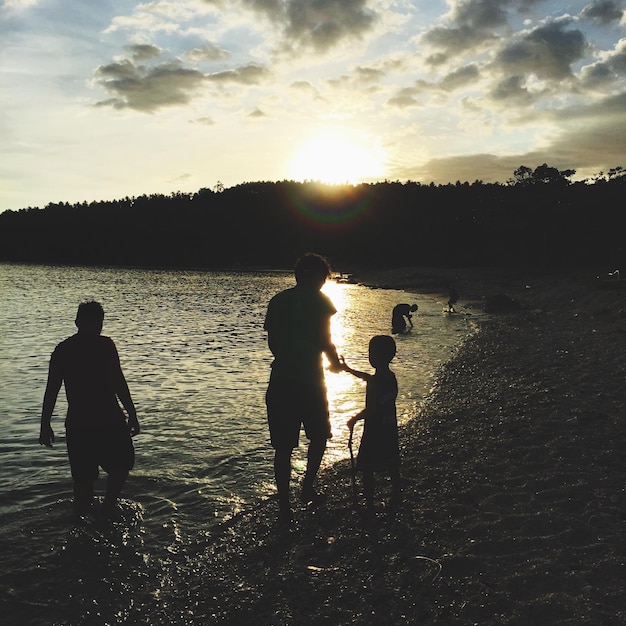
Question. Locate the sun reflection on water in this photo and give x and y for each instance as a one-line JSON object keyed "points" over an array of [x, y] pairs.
{"points": [[346, 394]]}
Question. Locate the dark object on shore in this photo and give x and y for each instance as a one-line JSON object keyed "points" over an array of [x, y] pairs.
{"points": [[611, 281], [501, 303]]}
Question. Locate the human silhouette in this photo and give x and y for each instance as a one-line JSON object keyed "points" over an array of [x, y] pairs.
{"points": [[453, 297], [298, 331], [379, 449], [400, 315], [98, 433]]}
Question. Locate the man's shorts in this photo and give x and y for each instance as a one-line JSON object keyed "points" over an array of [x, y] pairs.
{"points": [[291, 403], [110, 449]]}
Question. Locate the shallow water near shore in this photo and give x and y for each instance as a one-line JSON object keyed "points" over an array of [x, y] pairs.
{"points": [[194, 352]]}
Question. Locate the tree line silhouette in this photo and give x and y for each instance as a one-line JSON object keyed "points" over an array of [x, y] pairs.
{"points": [[537, 218]]}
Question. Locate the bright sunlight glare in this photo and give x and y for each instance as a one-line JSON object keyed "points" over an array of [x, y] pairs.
{"points": [[336, 159]]}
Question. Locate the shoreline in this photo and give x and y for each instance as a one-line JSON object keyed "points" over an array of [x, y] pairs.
{"points": [[515, 507]]}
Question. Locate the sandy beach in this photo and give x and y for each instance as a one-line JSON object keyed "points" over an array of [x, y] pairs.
{"points": [[514, 470]]}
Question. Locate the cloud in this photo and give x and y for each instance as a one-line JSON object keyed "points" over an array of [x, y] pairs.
{"points": [[19, 4], [207, 53], [593, 136], [607, 70], [147, 89], [591, 139], [469, 25], [322, 24], [257, 113], [454, 41], [203, 121], [479, 14], [456, 79], [512, 90], [460, 77], [250, 74], [143, 52], [317, 25], [602, 11], [140, 87], [547, 51]]}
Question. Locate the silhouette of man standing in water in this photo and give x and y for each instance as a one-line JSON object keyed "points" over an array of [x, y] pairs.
{"points": [[98, 433], [298, 332]]}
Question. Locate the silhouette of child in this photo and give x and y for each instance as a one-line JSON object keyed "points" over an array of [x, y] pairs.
{"points": [[379, 450]]}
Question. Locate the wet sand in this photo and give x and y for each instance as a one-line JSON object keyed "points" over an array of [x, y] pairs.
{"points": [[514, 468]]}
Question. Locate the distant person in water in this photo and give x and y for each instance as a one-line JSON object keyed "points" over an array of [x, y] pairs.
{"points": [[452, 299], [298, 333], [400, 316], [379, 449], [98, 433]]}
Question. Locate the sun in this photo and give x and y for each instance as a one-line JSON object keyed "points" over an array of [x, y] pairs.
{"points": [[336, 159]]}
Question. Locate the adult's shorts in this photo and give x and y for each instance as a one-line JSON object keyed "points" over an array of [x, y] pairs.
{"points": [[291, 404], [110, 449]]}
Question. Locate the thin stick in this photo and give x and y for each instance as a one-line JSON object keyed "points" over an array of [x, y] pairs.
{"points": [[353, 466]]}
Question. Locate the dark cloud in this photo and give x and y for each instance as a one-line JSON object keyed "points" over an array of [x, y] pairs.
{"points": [[511, 90], [369, 74], [609, 70], [547, 51], [167, 84], [317, 25], [404, 98], [322, 24], [470, 25], [250, 74], [460, 77], [603, 11], [143, 52], [479, 14], [256, 113], [147, 89], [454, 41]]}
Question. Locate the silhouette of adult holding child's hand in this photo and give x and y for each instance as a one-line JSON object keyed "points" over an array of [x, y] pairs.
{"points": [[298, 333]]}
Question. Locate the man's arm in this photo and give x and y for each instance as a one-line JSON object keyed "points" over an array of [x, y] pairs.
{"points": [[123, 393], [328, 347], [55, 380]]}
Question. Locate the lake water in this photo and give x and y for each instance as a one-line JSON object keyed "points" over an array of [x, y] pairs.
{"points": [[195, 355]]}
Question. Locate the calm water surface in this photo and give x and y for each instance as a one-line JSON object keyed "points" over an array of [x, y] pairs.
{"points": [[195, 356]]}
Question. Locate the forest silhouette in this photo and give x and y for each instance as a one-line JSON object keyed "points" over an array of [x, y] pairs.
{"points": [[537, 218]]}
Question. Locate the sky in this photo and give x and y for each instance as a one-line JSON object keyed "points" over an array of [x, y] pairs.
{"points": [[112, 99]]}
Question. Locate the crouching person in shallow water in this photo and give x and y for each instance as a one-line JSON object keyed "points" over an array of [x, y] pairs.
{"points": [[98, 433], [379, 450], [298, 333]]}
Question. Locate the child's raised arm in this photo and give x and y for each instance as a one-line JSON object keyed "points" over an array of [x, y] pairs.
{"points": [[346, 368]]}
